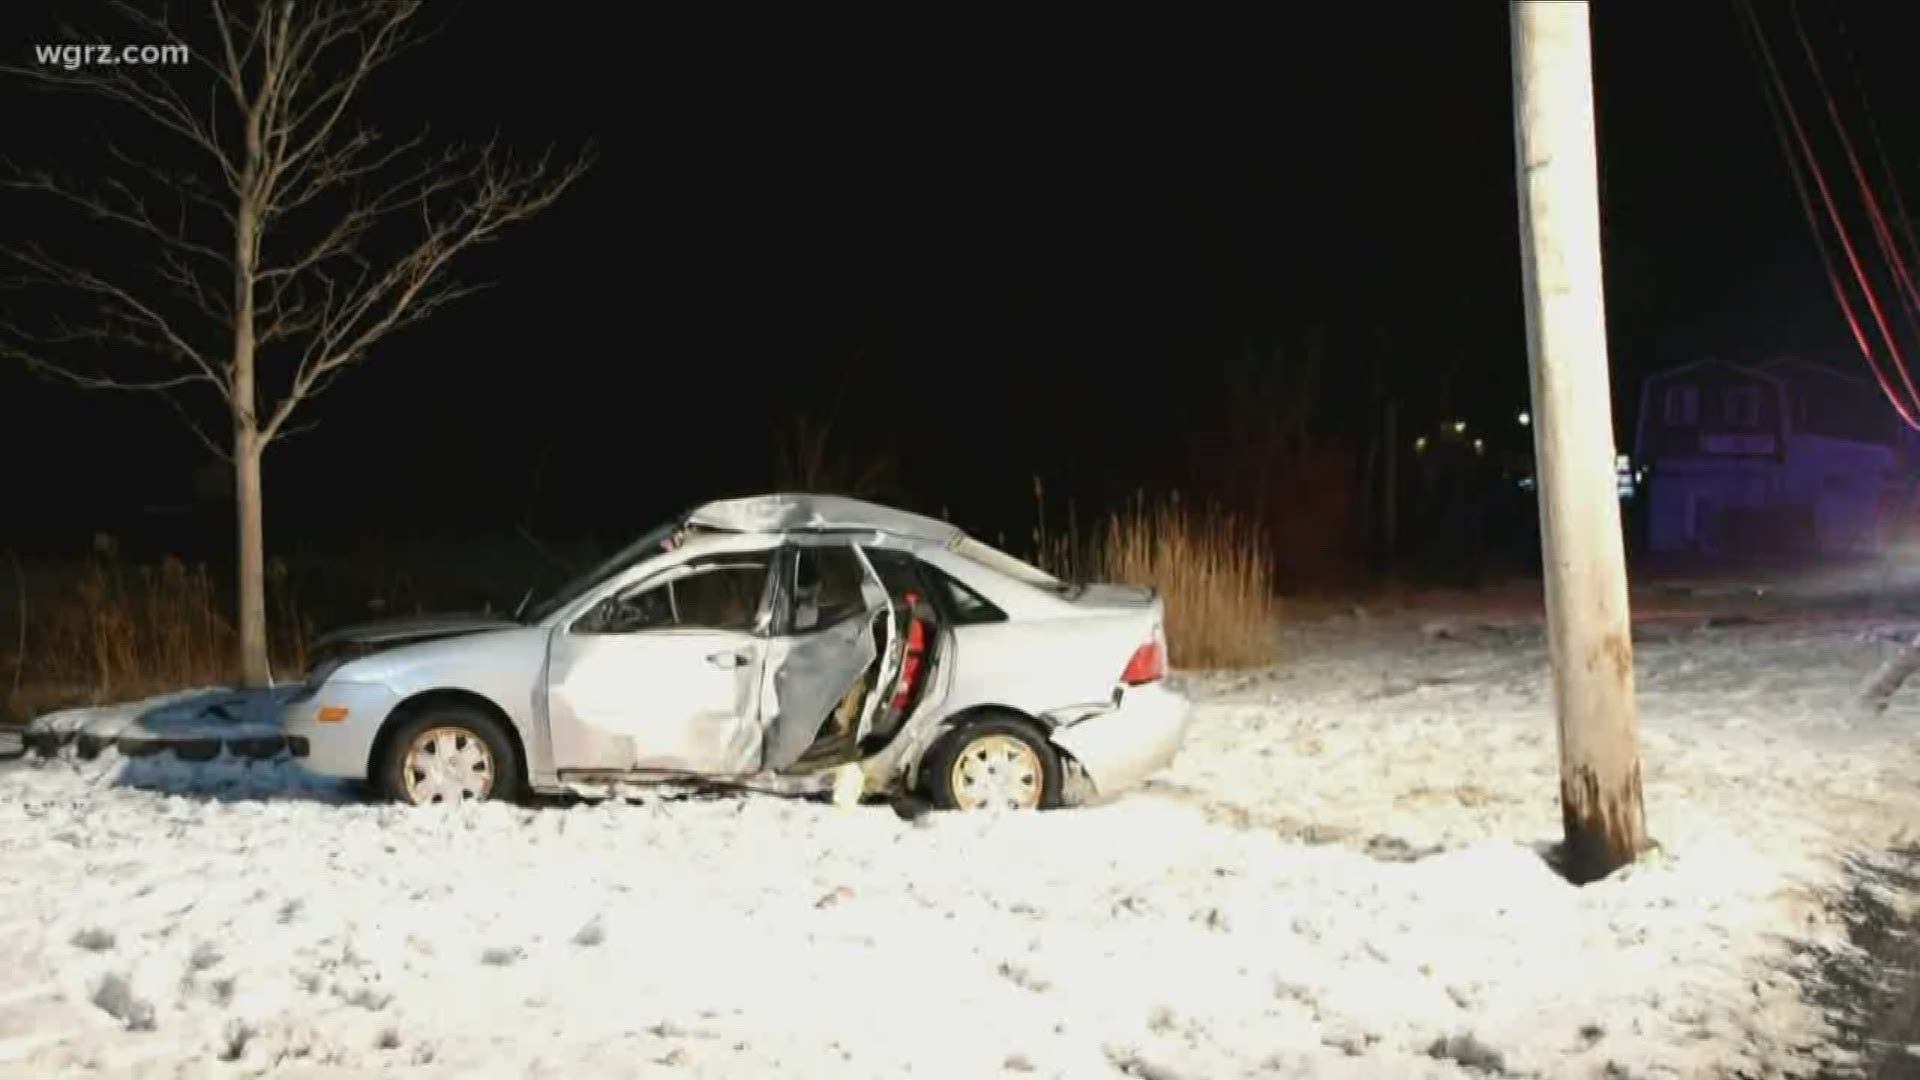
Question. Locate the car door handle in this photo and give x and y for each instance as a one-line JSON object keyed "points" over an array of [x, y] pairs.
{"points": [[727, 660]]}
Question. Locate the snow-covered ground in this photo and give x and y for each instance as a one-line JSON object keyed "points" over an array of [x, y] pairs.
{"points": [[1340, 877]]}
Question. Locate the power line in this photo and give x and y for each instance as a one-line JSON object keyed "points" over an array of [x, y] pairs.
{"points": [[1873, 132], [1779, 105], [1881, 234]]}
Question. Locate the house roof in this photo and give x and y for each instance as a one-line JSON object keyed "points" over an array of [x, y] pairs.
{"points": [[1781, 366], [1713, 362], [1779, 384]]}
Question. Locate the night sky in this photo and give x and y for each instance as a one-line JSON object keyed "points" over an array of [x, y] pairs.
{"points": [[1018, 248]]}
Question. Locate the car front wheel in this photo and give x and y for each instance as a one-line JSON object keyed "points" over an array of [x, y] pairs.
{"points": [[994, 762], [447, 756]]}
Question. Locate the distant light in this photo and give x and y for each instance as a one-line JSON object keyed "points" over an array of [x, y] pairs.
{"points": [[1526, 418], [1479, 445], [1420, 443], [1459, 427]]}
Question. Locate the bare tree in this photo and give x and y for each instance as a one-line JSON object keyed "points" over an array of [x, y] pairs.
{"points": [[1273, 410], [288, 244], [808, 456], [807, 459]]}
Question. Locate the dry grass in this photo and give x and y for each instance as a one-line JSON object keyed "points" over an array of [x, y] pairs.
{"points": [[1213, 569], [117, 631], [104, 629]]}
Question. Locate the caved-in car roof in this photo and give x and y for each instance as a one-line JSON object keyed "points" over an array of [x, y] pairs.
{"points": [[808, 513]]}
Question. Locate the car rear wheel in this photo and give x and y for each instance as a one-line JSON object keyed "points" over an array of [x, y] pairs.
{"points": [[449, 755], [995, 762]]}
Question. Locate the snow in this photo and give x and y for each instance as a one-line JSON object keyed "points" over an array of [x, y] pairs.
{"points": [[1341, 877]]}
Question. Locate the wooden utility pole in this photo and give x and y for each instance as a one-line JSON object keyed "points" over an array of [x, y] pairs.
{"points": [[1588, 627]]}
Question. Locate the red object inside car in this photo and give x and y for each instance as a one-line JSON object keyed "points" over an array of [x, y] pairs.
{"points": [[913, 666]]}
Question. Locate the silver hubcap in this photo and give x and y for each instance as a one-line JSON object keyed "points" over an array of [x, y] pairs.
{"points": [[447, 764], [998, 772]]}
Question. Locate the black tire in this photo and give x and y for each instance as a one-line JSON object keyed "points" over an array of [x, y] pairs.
{"points": [[937, 771], [389, 777]]}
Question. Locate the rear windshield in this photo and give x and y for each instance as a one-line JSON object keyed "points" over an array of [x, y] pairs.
{"points": [[994, 559]]}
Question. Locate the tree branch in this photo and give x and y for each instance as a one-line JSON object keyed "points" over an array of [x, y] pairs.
{"points": [[275, 115], [164, 388], [130, 211], [42, 366], [188, 284], [121, 302], [378, 31], [233, 73], [151, 96], [495, 193], [187, 186]]}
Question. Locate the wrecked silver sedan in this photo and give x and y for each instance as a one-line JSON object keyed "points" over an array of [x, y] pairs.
{"points": [[787, 643]]}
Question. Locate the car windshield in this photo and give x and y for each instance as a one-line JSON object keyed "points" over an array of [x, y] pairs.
{"points": [[654, 542]]}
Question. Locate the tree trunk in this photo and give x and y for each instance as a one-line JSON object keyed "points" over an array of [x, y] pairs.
{"points": [[1588, 626], [254, 670], [247, 447], [1390, 497]]}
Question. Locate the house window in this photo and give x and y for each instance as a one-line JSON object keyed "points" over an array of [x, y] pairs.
{"points": [[1682, 406], [1741, 407]]}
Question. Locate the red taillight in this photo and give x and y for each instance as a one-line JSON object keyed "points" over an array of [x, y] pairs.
{"points": [[1149, 664]]}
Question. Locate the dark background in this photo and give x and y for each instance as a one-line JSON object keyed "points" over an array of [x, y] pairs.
{"points": [[1014, 249]]}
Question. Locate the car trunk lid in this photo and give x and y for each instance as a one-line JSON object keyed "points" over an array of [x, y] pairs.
{"points": [[1107, 596]]}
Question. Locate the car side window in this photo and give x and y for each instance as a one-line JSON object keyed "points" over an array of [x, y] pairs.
{"points": [[968, 607], [721, 595], [827, 587], [634, 611]]}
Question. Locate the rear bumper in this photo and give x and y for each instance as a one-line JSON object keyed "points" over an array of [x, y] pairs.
{"points": [[1118, 750]]}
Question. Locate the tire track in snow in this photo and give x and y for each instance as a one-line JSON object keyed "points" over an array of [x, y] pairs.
{"points": [[1242, 819]]}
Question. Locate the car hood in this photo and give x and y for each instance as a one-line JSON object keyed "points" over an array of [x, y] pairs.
{"points": [[409, 630]]}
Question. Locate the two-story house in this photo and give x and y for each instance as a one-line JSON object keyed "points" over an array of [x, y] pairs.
{"points": [[1786, 457]]}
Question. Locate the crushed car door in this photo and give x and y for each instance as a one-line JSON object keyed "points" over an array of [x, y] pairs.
{"points": [[925, 645], [832, 656], [665, 674]]}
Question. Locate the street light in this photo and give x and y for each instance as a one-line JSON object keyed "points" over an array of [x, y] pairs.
{"points": [[1526, 418]]}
